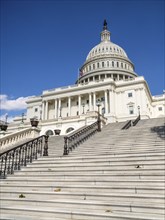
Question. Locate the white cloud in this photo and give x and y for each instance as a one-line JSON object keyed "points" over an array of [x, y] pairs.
{"points": [[12, 104]]}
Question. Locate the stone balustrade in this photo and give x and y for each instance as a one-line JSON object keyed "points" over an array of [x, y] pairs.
{"points": [[9, 140]]}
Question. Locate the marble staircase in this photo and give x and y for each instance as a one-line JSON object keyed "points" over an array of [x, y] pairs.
{"points": [[116, 174]]}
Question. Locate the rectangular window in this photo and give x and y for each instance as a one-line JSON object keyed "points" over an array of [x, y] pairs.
{"points": [[77, 102], [131, 110], [87, 101], [130, 94], [36, 110], [160, 109]]}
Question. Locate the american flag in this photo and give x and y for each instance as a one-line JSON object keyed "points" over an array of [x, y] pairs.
{"points": [[80, 73]]}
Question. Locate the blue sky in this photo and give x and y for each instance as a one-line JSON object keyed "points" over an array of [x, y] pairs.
{"points": [[44, 43]]}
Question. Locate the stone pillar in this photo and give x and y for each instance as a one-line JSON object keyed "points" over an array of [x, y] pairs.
{"points": [[106, 102], [79, 104], [55, 108], [111, 101], [94, 101], [59, 107], [90, 101], [69, 106], [43, 110], [46, 111]]}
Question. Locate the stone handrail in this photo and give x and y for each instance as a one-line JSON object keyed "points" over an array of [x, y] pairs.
{"points": [[9, 140]]}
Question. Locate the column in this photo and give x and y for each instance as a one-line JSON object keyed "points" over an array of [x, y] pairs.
{"points": [[55, 108], [43, 110], [79, 104], [111, 102], [90, 102], [94, 101], [106, 102], [46, 111], [59, 108], [69, 106]]}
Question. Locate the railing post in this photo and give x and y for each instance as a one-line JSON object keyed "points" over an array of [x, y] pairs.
{"points": [[45, 153], [65, 146]]}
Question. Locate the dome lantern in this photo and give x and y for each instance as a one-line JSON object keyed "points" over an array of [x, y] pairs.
{"points": [[105, 34]]}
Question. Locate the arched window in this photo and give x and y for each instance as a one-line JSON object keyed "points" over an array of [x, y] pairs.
{"points": [[102, 64], [69, 130], [49, 132], [112, 63], [117, 64], [107, 63]]}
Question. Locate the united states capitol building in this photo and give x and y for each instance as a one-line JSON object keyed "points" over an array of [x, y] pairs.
{"points": [[107, 82]]}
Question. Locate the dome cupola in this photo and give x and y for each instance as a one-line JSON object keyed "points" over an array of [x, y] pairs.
{"points": [[106, 60]]}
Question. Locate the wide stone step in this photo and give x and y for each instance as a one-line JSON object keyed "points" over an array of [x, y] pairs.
{"points": [[84, 189], [109, 171], [98, 167], [86, 176], [85, 181], [36, 212], [115, 205], [59, 194]]}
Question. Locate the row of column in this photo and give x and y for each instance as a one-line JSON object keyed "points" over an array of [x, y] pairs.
{"points": [[108, 104], [113, 76]]}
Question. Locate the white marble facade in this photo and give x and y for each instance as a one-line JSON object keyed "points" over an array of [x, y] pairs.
{"points": [[107, 75]]}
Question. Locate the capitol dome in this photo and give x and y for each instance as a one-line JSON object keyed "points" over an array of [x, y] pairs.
{"points": [[106, 60]]}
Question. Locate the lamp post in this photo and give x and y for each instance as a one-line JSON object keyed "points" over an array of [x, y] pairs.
{"points": [[6, 116], [83, 105], [22, 118], [98, 118]]}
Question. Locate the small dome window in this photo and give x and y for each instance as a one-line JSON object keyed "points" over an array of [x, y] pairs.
{"points": [[117, 64], [93, 66], [110, 49], [99, 49], [107, 63], [106, 48], [97, 65], [112, 63], [103, 49], [102, 64]]}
